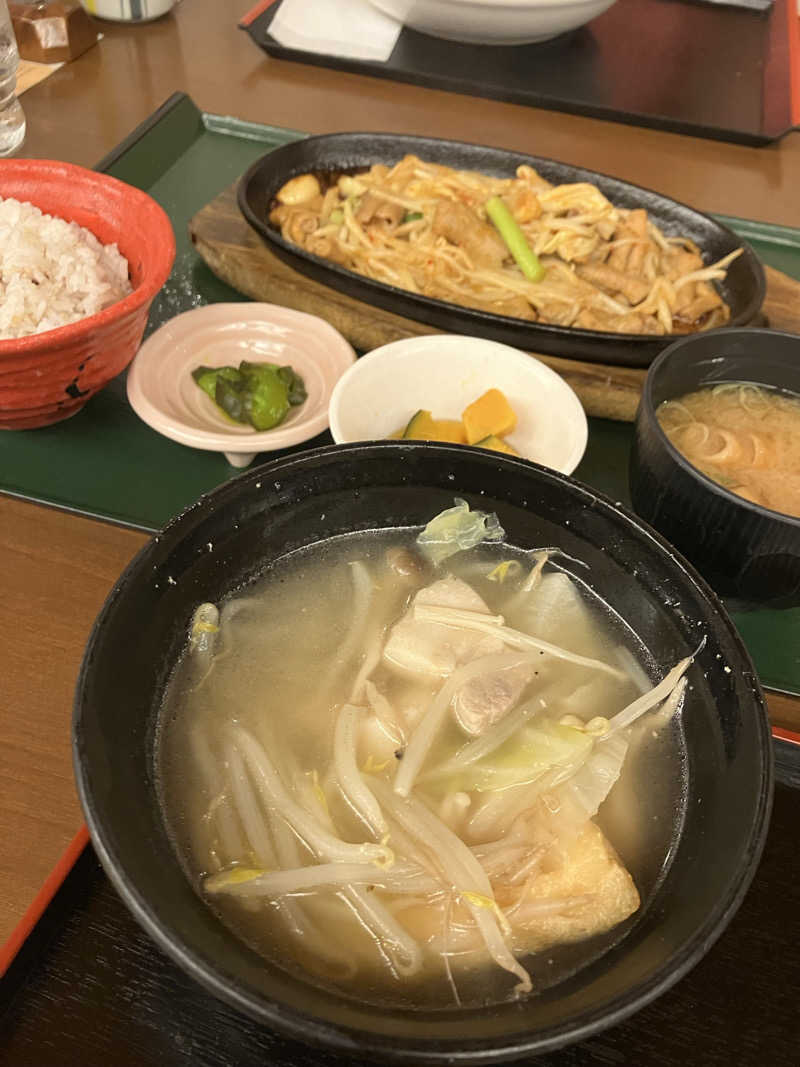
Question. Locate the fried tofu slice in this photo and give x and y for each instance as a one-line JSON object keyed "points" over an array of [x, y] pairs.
{"points": [[588, 891]]}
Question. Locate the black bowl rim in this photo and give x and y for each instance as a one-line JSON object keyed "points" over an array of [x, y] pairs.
{"points": [[648, 410], [390, 1048], [745, 315]]}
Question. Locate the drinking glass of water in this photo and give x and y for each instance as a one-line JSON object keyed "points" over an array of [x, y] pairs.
{"points": [[12, 117]]}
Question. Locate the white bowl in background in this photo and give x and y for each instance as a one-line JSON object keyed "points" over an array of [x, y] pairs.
{"points": [[163, 393], [493, 21], [125, 11], [443, 373]]}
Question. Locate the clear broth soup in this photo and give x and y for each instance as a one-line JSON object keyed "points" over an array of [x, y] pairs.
{"points": [[288, 721]]}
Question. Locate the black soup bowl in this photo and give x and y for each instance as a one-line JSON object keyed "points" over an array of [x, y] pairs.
{"points": [[747, 552], [227, 539]]}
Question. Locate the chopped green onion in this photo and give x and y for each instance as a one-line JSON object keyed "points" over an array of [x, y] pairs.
{"points": [[336, 216], [508, 228], [412, 216]]}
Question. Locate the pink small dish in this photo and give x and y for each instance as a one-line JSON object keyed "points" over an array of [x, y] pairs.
{"points": [[163, 393]]}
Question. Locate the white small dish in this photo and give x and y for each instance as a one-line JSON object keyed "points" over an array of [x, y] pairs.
{"points": [[163, 393], [443, 373], [127, 10]]}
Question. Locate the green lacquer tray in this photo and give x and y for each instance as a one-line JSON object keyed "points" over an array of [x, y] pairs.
{"points": [[106, 463]]}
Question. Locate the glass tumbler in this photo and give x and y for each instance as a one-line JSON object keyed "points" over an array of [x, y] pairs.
{"points": [[12, 117]]}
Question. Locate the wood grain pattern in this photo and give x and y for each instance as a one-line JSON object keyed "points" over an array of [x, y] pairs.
{"points": [[237, 255], [784, 711], [57, 570]]}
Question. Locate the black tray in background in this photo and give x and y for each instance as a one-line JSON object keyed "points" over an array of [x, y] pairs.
{"points": [[704, 69]]}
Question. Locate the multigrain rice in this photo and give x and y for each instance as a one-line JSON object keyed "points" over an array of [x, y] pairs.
{"points": [[52, 272]]}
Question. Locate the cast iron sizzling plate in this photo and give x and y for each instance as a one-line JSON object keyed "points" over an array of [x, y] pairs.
{"points": [[743, 288]]}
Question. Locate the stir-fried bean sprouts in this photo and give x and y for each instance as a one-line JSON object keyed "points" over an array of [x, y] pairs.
{"points": [[558, 254]]}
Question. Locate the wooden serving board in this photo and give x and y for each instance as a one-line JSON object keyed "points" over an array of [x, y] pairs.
{"points": [[237, 255]]}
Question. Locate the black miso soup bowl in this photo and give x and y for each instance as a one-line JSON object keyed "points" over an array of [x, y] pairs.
{"points": [[747, 552], [228, 538]]}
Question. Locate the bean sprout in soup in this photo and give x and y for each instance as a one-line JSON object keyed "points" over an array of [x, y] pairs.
{"points": [[422, 776], [744, 437]]}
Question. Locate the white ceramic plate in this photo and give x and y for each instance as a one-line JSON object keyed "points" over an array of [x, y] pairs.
{"points": [[163, 393], [444, 373]]}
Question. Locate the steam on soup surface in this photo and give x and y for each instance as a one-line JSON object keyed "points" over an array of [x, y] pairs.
{"points": [[743, 437], [386, 772]]}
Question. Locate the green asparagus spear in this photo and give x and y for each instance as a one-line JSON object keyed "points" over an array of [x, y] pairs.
{"points": [[508, 228]]}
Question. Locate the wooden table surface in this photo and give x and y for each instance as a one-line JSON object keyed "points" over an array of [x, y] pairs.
{"points": [[57, 567]]}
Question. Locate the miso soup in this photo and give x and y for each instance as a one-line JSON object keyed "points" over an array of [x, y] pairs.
{"points": [[744, 437]]}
